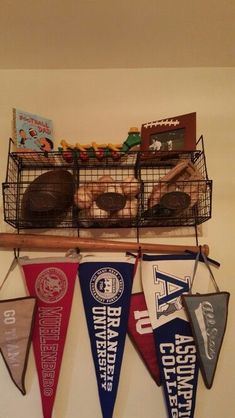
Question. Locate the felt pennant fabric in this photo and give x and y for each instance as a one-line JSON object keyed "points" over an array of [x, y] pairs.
{"points": [[207, 314], [16, 322], [51, 281], [208, 317], [106, 289], [165, 278], [141, 333]]}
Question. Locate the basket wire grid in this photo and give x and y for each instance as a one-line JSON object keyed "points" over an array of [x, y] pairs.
{"points": [[132, 176]]}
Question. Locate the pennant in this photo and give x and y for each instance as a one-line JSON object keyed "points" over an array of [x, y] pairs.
{"points": [[165, 278], [106, 290], [208, 317], [52, 282], [141, 333], [16, 319]]}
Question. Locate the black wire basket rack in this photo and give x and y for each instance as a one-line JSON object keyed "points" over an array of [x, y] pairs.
{"points": [[134, 190]]}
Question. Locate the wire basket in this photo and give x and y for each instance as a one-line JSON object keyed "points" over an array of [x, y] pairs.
{"points": [[59, 190]]}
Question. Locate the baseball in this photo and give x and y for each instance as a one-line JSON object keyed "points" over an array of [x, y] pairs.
{"points": [[97, 213], [129, 210], [84, 218], [95, 188], [131, 186], [83, 198], [104, 182], [105, 179], [114, 188]]}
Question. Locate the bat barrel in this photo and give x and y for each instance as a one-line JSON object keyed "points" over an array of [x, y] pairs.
{"points": [[57, 242]]}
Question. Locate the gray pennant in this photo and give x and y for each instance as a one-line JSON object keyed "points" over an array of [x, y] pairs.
{"points": [[16, 320], [208, 318]]}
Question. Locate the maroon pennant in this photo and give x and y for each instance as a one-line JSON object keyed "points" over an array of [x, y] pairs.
{"points": [[16, 319], [52, 282], [141, 333]]}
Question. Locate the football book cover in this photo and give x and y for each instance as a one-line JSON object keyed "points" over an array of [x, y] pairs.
{"points": [[32, 132]]}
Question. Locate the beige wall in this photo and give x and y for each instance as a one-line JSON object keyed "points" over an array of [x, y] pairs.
{"points": [[102, 105]]}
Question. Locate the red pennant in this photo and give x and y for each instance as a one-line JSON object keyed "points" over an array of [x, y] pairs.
{"points": [[141, 333], [52, 282]]}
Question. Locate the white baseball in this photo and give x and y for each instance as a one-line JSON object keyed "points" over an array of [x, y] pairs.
{"points": [[131, 186], [96, 188], [84, 217], [105, 179], [97, 213], [83, 198], [129, 210], [114, 188], [105, 182]]}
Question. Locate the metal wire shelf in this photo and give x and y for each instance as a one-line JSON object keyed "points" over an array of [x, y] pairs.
{"points": [[142, 180]]}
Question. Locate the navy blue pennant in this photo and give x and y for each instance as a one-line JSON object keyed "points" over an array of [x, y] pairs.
{"points": [[106, 290], [176, 353], [165, 278]]}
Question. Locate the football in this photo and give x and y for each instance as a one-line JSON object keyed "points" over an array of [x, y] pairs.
{"points": [[47, 197]]}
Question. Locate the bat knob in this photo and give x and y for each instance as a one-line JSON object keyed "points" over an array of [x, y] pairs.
{"points": [[205, 249]]}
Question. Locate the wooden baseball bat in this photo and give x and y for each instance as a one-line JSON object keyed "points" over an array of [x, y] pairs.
{"points": [[56, 242]]}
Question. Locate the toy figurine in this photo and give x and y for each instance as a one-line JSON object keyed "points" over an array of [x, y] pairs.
{"points": [[132, 140], [100, 151]]}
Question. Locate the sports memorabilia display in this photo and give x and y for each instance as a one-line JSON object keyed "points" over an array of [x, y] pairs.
{"points": [[106, 290], [154, 178], [51, 281], [77, 188]]}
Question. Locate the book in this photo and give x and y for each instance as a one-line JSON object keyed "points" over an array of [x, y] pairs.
{"points": [[32, 132]]}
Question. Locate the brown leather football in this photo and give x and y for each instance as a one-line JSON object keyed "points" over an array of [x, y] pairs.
{"points": [[47, 197]]}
